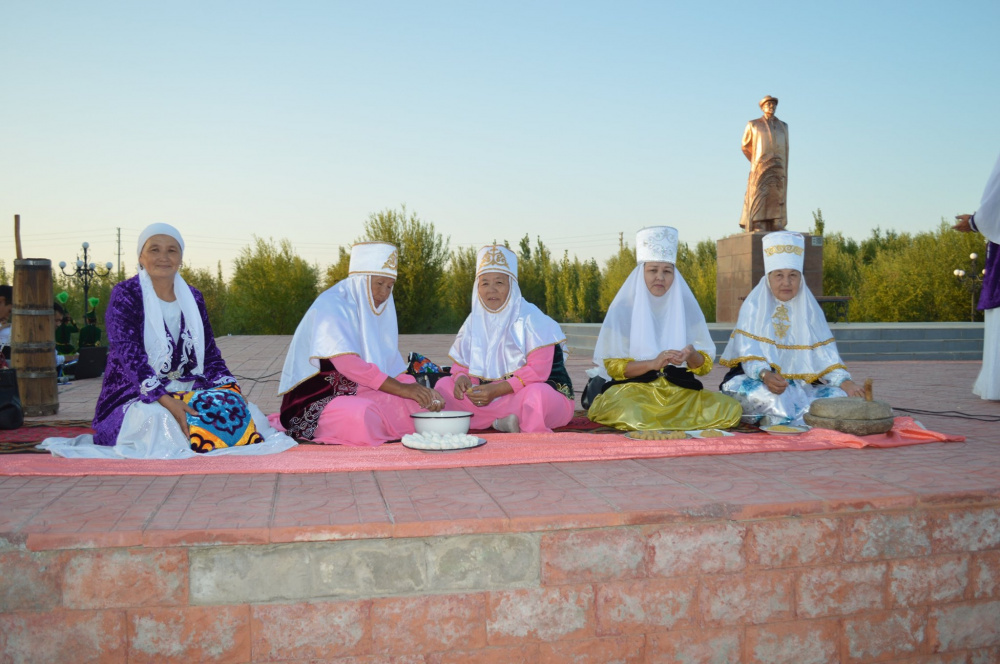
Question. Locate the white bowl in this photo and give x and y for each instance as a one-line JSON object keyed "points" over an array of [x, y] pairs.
{"points": [[445, 421]]}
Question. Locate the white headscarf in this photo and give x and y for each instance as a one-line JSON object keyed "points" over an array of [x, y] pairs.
{"points": [[345, 321], [154, 333], [793, 337], [494, 344]]}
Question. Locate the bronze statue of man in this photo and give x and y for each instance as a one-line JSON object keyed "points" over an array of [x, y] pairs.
{"points": [[765, 144]]}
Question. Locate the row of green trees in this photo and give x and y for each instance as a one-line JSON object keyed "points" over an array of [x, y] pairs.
{"points": [[891, 276]]}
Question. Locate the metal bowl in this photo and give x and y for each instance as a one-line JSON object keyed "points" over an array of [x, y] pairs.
{"points": [[445, 421]]}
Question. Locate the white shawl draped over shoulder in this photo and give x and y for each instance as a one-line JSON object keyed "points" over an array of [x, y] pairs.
{"points": [[342, 321], [154, 333]]}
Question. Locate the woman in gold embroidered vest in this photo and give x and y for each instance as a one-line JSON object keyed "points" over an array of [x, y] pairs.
{"points": [[782, 354]]}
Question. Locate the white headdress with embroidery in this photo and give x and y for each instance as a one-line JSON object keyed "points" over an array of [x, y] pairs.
{"points": [[784, 250], [640, 325], [793, 337], [495, 344], [656, 244], [344, 320], [379, 258]]}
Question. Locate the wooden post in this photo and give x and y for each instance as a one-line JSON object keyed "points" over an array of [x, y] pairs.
{"points": [[17, 234]]}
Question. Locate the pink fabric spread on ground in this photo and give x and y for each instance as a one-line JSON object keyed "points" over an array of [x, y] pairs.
{"points": [[501, 449]]}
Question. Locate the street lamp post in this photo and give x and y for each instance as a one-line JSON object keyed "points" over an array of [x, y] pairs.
{"points": [[973, 281], [86, 272]]}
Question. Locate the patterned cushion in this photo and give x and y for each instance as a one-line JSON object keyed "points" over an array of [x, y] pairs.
{"points": [[223, 419]]}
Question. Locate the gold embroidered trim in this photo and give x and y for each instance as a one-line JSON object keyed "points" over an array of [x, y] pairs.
{"points": [[809, 378], [374, 273], [391, 261], [783, 249], [371, 300], [782, 346], [493, 256]]}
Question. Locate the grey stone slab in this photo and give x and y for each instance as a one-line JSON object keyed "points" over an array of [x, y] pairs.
{"points": [[303, 571], [362, 568], [860, 334], [875, 347], [483, 562]]}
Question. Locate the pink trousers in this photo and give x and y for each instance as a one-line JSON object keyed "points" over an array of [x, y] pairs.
{"points": [[539, 408], [368, 418]]}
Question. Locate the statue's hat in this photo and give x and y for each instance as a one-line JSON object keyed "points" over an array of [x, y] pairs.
{"points": [[767, 99]]}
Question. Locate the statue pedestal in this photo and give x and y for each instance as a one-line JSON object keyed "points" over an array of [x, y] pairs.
{"points": [[741, 266]]}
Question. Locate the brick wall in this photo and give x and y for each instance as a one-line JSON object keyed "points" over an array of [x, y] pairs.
{"points": [[884, 586]]}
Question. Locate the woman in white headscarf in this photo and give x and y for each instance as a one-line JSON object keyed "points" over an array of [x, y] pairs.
{"points": [[652, 344], [164, 371], [509, 358], [344, 379], [782, 353]]}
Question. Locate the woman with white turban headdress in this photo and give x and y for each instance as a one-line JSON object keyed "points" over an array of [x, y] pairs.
{"points": [[781, 353], [344, 380], [167, 392], [509, 358], [653, 341]]}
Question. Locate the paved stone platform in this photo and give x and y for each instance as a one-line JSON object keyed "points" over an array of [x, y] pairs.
{"points": [[833, 556]]}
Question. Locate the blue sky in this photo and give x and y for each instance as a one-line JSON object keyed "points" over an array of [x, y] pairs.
{"points": [[572, 121]]}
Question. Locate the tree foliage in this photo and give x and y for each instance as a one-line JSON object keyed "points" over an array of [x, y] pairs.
{"points": [[213, 289], [423, 255], [890, 275], [910, 278], [459, 282], [271, 289], [338, 271], [699, 267], [534, 267], [616, 271]]}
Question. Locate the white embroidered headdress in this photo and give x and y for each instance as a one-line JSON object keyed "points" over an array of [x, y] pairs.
{"points": [[639, 325], [379, 258], [784, 250], [656, 244], [495, 258], [345, 321]]}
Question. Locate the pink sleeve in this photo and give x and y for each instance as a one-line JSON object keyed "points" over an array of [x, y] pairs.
{"points": [[359, 371], [537, 369], [457, 370]]}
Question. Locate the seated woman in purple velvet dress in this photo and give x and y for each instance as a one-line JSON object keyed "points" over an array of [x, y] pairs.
{"points": [[167, 392]]}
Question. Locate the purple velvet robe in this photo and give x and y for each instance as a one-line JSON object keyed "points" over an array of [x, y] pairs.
{"points": [[128, 366], [989, 297]]}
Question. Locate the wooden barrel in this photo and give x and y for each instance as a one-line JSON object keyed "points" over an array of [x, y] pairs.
{"points": [[33, 337]]}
